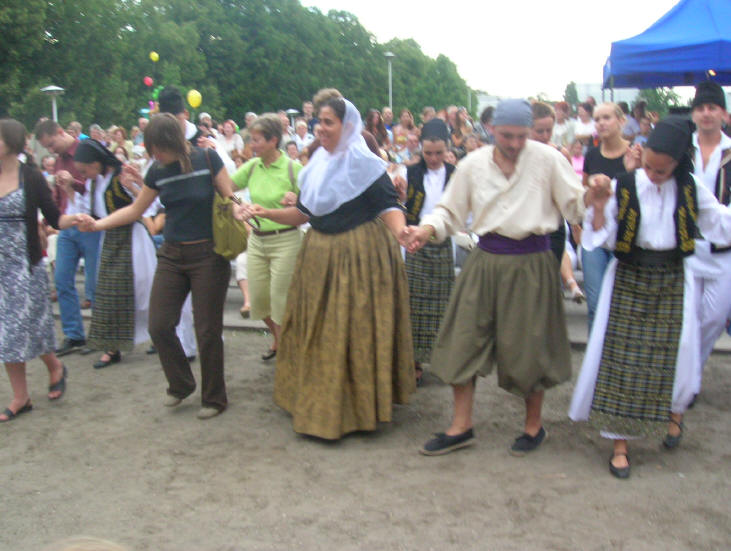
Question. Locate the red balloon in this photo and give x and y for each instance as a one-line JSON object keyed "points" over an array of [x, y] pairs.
{"points": [[148, 81]]}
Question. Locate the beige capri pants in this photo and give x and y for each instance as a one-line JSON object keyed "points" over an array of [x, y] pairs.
{"points": [[271, 260]]}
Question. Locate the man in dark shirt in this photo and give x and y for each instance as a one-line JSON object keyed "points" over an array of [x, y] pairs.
{"points": [[71, 197]]}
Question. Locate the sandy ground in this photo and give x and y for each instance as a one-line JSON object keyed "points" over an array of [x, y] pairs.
{"points": [[109, 460]]}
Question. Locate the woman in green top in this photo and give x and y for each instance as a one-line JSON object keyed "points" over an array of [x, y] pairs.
{"points": [[272, 181]]}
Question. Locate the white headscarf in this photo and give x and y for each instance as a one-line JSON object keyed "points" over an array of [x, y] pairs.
{"points": [[331, 179]]}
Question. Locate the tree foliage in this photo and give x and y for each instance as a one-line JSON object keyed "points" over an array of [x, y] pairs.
{"points": [[242, 55], [570, 95], [659, 99]]}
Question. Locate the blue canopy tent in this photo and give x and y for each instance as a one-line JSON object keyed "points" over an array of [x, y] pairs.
{"points": [[690, 43]]}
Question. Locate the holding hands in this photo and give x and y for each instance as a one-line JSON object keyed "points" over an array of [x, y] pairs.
{"points": [[85, 223], [599, 192], [414, 238], [246, 212]]}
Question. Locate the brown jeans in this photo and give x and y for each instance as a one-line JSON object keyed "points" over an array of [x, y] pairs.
{"points": [[197, 269]]}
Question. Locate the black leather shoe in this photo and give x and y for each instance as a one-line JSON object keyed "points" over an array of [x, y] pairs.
{"points": [[69, 346], [113, 359], [619, 472], [269, 354]]}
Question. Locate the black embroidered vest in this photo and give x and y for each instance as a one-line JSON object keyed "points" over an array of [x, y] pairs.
{"points": [[628, 218], [722, 190], [415, 193]]}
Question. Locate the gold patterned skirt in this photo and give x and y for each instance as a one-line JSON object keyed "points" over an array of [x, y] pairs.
{"points": [[346, 352]]}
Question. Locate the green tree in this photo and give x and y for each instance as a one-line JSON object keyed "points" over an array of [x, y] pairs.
{"points": [[570, 95], [659, 99], [242, 55]]}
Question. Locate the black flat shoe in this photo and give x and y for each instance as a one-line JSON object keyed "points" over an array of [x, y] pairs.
{"points": [[619, 472], [269, 354], [113, 359], [444, 443], [8, 413], [671, 442]]}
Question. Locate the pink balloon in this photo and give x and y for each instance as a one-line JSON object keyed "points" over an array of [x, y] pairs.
{"points": [[152, 104], [148, 81]]}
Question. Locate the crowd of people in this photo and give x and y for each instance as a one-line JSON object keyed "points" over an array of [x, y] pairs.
{"points": [[351, 265]]}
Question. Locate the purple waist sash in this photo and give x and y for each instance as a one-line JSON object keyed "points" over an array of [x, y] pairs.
{"points": [[499, 244]]}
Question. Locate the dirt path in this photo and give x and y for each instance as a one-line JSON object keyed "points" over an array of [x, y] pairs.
{"points": [[110, 461]]}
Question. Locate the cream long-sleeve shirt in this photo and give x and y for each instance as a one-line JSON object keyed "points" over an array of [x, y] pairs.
{"points": [[530, 202]]}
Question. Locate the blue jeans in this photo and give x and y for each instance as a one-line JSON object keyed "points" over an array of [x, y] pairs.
{"points": [[71, 246], [594, 264]]}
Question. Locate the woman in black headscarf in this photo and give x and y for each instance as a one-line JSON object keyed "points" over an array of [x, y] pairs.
{"points": [[639, 371], [127, 260]]}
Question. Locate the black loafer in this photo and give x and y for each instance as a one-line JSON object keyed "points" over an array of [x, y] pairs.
{"points": [[671, 442], [619, 472], [113, 359], [526, 443], [269, 354], [444, 443]]}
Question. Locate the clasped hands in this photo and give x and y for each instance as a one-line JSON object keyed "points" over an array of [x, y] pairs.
{"points": [[413, 238], [598, 192]]}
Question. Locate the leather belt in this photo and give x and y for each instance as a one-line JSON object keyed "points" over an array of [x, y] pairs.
{"points": [[273, 232]]}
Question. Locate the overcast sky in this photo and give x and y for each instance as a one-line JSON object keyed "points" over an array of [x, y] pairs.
{"points": [[510, 47]]}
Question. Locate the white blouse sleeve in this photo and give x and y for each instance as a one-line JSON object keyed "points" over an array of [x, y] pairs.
{"points": [[714, 219], [606, 236]]}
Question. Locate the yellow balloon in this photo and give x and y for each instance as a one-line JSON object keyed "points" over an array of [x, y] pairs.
{"points": [[154, 56], [194, 98]]}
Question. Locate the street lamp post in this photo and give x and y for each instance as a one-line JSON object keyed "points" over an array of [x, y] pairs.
{"points": [[389, 56], [292, 113], [53, 91]]}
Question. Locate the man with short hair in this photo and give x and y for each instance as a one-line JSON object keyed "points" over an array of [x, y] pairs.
{"points": [[711, 265], [74, 128], [97, 133], [427, 114], [387, 116], [483, 128], [71, 194], [308, 110], [141, 124], [506, 308], [248, 119]]}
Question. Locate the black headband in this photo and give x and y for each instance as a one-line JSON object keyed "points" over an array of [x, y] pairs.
{"points": [[435, 129], [90, 151], [671, 136]]}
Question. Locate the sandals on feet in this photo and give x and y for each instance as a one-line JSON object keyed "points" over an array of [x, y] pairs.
{"points": [[671, 442], [619, 472], [9, 415], [60, 385]]}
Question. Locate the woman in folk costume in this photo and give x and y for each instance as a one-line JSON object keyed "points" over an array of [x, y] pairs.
{"points": [[638, 374], [127, 260], [346, 353], [430, 270]]}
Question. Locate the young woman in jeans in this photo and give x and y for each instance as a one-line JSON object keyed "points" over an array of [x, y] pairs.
{"points": [[185, 178]]}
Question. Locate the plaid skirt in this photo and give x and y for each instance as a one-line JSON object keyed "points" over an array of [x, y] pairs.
{"points": [[430, 272], [634, 386], [113, 317]]}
